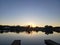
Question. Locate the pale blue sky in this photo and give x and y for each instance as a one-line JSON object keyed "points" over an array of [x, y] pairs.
{"points": [[24, 12]]}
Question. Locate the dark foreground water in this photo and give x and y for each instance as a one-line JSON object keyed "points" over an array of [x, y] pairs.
{"points": [[33, 38]]}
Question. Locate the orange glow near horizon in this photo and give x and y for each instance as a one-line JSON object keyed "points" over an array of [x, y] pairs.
{"points": [[33, 24]]}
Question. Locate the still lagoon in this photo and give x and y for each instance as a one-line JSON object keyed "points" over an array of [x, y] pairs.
{"points": [[28, 38]]}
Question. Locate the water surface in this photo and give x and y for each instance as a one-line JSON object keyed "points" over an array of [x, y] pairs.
{"points": [[32, 38]]}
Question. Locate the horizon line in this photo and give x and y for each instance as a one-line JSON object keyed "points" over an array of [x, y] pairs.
{"points": [[28, 25]]}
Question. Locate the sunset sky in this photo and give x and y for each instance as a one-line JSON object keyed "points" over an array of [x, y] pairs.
{"points": [[30, 12]]}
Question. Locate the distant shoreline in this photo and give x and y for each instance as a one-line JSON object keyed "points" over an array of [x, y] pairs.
{"points": [[47, 29]]}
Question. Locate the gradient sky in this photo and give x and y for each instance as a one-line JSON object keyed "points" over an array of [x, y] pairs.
{"points": [[30, 12]]}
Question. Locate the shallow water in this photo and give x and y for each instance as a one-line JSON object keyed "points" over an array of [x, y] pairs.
{"points": [[33, 38]]}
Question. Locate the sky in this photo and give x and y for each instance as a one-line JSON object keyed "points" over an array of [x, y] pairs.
{"points": [[30, 12]]}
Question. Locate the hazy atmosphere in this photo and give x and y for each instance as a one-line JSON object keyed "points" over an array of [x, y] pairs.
{"points": [[30, 12], [29, 22]]}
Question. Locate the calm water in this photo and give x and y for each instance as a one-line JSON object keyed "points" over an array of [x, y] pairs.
{"points": [[33, 38]]}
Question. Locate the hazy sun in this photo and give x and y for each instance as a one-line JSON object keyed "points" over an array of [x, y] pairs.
{"points": [[31, 24]]}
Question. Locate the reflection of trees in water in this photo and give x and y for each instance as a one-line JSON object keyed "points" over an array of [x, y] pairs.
{"points": [[28, 32], [48, 29], [17, 29]]}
